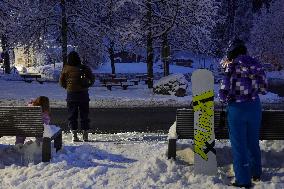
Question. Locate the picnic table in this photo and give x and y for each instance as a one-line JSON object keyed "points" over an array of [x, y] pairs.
{"points": [[113, 80], [141, 76], [110, 82], [28, 77], [124, 85]]}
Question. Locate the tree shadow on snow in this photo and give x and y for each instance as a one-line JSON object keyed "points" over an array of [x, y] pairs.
{"points": [[272, 162], [270, 159], [85, 156]]}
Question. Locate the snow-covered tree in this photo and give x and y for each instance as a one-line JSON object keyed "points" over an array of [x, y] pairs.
{"points": [[34, 22], [243, 19], [195, 25], [181, 24], [267, 35], [153, 19], [5, 23], [37, 22], [235, 19]]}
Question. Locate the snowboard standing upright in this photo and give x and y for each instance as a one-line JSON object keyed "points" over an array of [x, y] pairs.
{"points": [[204, 137]]}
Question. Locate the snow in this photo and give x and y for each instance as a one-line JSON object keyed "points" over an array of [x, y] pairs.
{"points": [[276, 74], [122, 160], [171, 84], [173, 131], [51, 71], [50, 130], [127, 160], [141, 68], [100, 97]]}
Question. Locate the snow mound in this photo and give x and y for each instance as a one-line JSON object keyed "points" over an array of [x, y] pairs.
{"points": [[13, 76], [275, 74], [174, 84], [172, 131], [50, 71], [50, 130]]}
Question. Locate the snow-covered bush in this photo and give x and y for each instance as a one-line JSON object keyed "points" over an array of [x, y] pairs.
{"points": [[174, 84], [49, 71]]}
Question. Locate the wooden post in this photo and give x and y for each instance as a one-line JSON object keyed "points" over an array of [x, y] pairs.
{"points": [[172, 148], [46, 149]]}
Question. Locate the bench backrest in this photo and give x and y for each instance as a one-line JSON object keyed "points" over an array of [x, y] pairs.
{"points": [[272, 125], [21, 121]]}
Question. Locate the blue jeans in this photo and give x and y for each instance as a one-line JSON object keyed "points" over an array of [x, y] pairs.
{"points": [[244, 120]]}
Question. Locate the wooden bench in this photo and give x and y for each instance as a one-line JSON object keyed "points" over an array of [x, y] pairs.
{"points": [[146, 80], [110, 85], [134, 81], [272, 127], [27, 121], [31, 76], [141, 77], [104, 81], [124, 85]]}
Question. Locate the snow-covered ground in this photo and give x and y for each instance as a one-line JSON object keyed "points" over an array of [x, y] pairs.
{"points": [[125, 160], [129, 160], [141, 68], [20, 92]]}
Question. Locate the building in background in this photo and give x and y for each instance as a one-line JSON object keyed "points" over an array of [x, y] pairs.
{"points": [[24, 58]]}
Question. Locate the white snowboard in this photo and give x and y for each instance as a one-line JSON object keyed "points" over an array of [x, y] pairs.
{"points": [[204, 136]]}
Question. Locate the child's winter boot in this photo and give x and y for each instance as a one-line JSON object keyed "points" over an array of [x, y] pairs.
{"points": [[85, 135], [75, 136]]}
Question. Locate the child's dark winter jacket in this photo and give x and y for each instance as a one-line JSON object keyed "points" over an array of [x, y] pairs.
{"points": [[70, 78]]}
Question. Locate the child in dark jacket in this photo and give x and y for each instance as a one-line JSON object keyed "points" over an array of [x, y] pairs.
{"points": [[77, 94], [43, 102]]}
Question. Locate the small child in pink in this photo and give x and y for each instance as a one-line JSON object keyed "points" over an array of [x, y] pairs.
{"points": [[43, 102]]}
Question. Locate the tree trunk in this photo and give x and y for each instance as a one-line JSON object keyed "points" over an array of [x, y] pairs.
{"points": [[5, 55], [150, 53], [111, 48], [111, 56], [64, 31], [231, 14], [166, 54]]}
